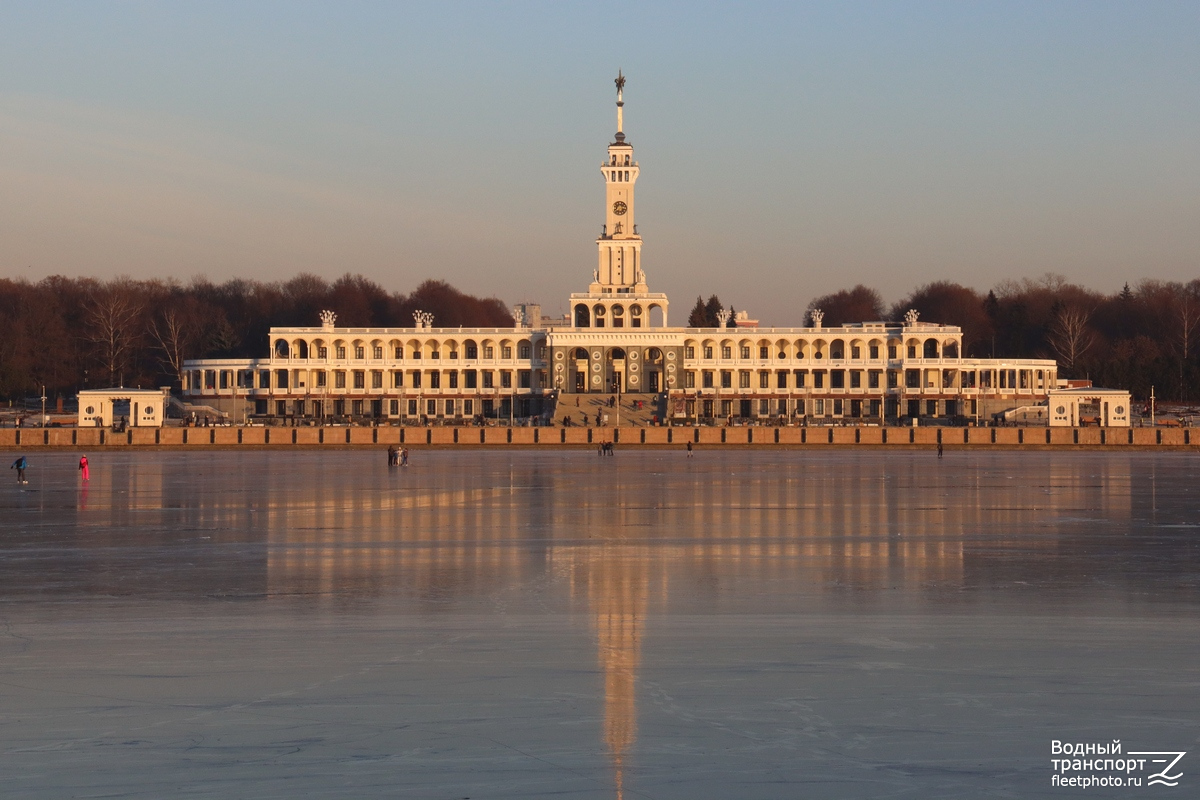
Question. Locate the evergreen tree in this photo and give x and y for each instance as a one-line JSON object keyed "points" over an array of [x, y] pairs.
{"points": [[699, 316], [711, 309]]}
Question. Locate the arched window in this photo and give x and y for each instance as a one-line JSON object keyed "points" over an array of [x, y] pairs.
{"points": [[931, 348], [582, 318], [837, 349], [281, 349]]}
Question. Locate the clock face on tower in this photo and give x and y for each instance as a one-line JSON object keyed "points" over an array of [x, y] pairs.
{"points": [[619, 208]]}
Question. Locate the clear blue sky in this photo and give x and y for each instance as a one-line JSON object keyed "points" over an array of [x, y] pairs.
{"points": [[787, 149]]}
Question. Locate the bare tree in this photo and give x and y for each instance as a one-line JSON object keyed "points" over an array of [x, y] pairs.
{"points": [[174, 334], [110, 319], [1187, 321], [1070, 336]]}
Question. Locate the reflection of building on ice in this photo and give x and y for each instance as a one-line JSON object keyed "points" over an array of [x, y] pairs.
{"points": [[616, 581]]}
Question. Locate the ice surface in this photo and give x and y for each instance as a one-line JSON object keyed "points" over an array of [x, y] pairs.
{"points": [[743, 624]]}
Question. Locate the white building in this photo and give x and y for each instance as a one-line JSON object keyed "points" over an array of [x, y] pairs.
{"points": [[617, 339]]}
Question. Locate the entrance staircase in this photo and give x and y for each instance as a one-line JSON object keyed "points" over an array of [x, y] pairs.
{"points": [[629, 414]]}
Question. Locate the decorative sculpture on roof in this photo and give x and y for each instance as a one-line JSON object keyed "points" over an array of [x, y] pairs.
{"points": [[620, 81], [723, 317], [910, 317], [327, 318], [423, 319], [816, 316]]}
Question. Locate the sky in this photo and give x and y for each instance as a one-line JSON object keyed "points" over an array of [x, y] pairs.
{"points": [[787, 150]]}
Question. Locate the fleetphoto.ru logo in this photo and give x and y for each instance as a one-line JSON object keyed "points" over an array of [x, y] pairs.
{"points": [[1082, 766]]}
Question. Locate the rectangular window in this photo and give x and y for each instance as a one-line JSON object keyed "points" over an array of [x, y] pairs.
{"points": [[764, 380], [708, 352], [435, 380], [398, 379], [855, 379], [855, 351], [781, 379], [726, 408], [837, 407], [891, 351], [487, 379], [873, 379], [360, 352], [339, 379], [376, 379], [320, 379], [763, 352], [764, 407], [264, 379], [489, 351], [893, 378], [819, 407], [394, 408], [726, 379], [378, 353], [726, 351], [416, 379], [340, 352], [356, 407], [453, 355], [874, 352], [472, 352], [837, 379], [505, 379], [435, 354], [469, 378], [523, 379], [224, 379], [416, 355], [689, 379], [708, 378], [453, 376], [281, 408], [912, 378], [799, 375], [745, 351], [743, 379], [524, 351], [399, 355], [360, 379], [412, 408], [689, 352], [431, 408], [449, 408], [506, 352], [322, 352], [468, 408]]}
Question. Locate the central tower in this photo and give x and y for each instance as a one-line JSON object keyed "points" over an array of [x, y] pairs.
{"points": [[620, 248], [618, 296]]}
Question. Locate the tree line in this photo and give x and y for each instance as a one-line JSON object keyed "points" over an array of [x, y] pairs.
{"points": [[68, 334], [1140, 337]]}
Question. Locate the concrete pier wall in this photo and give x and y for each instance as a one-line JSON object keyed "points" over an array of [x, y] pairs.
{"points": [[816, 437]]}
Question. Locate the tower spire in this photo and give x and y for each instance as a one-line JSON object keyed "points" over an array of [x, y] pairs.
{"points": [[620, 82]]}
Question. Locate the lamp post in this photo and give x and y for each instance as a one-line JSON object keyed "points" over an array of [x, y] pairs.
{"points": [[43, 405]]}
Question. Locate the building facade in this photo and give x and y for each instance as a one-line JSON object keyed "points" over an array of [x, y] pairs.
{"points": [[616, 339]]}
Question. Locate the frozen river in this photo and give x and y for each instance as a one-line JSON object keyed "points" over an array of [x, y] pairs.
{"points": [[742, 624]]}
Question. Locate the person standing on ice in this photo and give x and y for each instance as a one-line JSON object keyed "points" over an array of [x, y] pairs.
{"points": [[20, 465], [83, 468]]}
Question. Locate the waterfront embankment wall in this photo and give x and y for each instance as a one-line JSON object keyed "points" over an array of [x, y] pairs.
{"points": [[451, 437]]}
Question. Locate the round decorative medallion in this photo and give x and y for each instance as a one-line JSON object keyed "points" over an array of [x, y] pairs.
{"points": [[595, 367], [633, 367], [1118, 409], [596, 355], [619, 208], [596, 380], [558, 356], [558, 367], [633, 353], [671, 356], [670, 367], [1060, 410], [671, 380]]}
